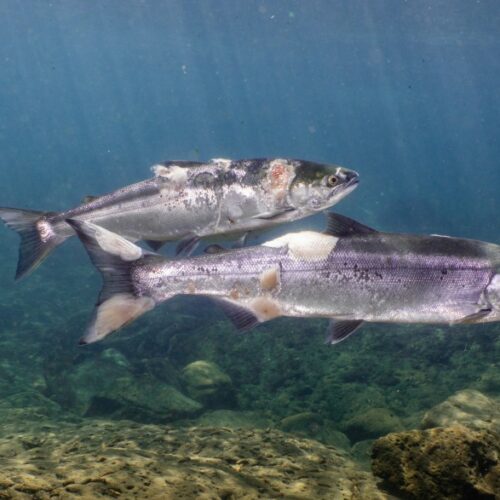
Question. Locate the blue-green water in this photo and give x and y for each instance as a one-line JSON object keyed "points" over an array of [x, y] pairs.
{"points": [[93, 93]]}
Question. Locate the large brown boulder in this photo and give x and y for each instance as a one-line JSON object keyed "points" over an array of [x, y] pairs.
{"points": [[447, 463]]}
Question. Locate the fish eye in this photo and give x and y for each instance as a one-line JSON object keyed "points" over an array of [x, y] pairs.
{"points": [[332, 180]]}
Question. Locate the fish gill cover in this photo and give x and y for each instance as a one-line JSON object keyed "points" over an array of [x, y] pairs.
{"points": [[92, 94]]}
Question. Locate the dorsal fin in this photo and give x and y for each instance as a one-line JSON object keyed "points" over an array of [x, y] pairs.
{"points": [[180, 163], [342, 226], [89, 198]]}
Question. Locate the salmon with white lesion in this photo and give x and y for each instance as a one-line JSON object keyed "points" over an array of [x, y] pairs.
{"points": [[350, 274], [186, 201]]}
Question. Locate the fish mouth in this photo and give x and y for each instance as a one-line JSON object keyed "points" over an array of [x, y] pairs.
{"points": [[352, 178], [353, 182]]}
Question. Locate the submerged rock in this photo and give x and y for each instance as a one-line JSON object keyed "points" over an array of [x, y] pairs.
{"points": [[115, 356], [305, 422], [143, 399], [371, 423], [107, 386], [446, 463], [362, 452], [207, 383], [490, 380], [313, 426], [233, 419], [470, 408]]}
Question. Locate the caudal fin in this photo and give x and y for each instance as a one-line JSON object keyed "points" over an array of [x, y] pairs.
{"points": [[119, 302], [38, 237]]}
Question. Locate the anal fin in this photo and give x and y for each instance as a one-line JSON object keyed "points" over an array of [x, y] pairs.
{"points": [[339, 330], [187, 245], [241, 317], [240, 242]]}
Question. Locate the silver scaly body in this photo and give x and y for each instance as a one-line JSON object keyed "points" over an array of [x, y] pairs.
{"points": [[352, 274], [191, 200]]}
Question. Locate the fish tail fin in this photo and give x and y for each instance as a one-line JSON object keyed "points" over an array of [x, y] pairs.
{"points": [[38, 237], [119, 302]]}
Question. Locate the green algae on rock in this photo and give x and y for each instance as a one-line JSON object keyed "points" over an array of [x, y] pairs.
{"points": [[206, 382], [371, 423]]}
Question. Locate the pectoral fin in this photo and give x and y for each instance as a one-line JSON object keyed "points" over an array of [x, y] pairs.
{"points": [[475, 317], [339, 330], [274, 214]]}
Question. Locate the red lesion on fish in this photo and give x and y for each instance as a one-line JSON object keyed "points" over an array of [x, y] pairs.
{"points": [[279, 175], [278, 172]]}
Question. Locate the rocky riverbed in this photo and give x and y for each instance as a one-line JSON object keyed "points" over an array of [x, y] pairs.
{"points": [[43, 458], [272, 413]]}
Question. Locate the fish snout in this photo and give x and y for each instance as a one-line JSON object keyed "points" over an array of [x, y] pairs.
{"points": [[347, 176]]}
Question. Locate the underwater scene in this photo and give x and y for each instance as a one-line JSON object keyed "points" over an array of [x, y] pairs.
{"points": [[253, 301]]}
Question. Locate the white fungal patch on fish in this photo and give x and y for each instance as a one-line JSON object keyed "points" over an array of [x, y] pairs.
{"points": [[160, 170], [237, 202], [222, 162], [45, 230], [269, 279], [116, 312], [173, 173], [265, 308], [114, 244], [307, 245]]}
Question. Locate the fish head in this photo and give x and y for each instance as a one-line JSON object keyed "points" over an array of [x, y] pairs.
{"points": [[493, 297], [318, 186]]}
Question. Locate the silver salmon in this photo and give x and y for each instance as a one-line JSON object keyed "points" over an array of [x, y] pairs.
{"points": [[350, 274], [187, 201]]}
